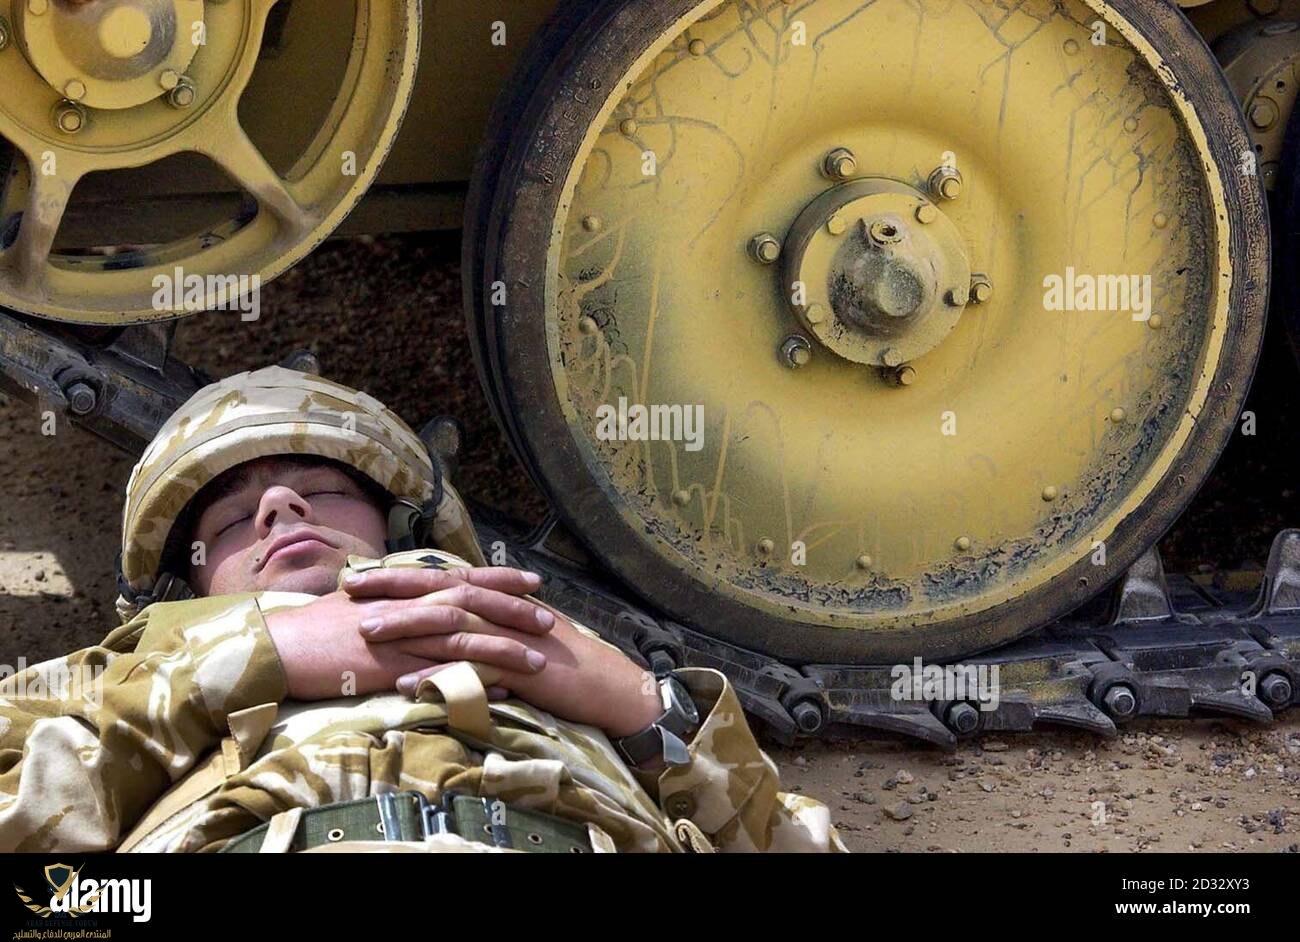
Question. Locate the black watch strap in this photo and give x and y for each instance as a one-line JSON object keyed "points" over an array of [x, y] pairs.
{"points": [[664, 740]]}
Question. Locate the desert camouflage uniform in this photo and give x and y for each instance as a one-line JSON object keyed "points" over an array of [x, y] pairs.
{"points": [[75, 775], [189, 741]]}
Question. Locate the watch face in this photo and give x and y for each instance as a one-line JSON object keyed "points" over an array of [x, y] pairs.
{"points": [[682, 697]]}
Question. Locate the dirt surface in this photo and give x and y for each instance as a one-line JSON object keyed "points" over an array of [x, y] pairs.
{"points": [[385, 315]]}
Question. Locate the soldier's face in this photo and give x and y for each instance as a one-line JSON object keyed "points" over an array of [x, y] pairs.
{"points": [[285, 526]]}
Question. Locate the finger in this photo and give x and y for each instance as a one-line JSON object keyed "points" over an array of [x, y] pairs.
{"points": [[500, 608], [416, 621], [410, 583], [505, 653], [497, 693], [400, 583]]}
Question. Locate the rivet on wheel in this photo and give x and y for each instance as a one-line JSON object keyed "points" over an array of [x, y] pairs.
{"points": [[839, 164], [1118, 415], [1130, 124], [764, 248], [961, 544], [169, 79], [74, 90], [863, 561], [766, 546], [946, 183], [981, 289], [1263, 113], [1155, 321], [903, 376], [682, 497], [796, 351], [836, 225], [892, 357], [698, 47], [69, 117], [815, 314], [183, 95], [956, 297], [591, 223], [1071, 47], [588, 325], [1049, 493], [1160, 220], [927, 213], [37, 7]]}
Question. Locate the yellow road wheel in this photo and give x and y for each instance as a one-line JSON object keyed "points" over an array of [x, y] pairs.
{"points": [[964, 296], [101, 86]]}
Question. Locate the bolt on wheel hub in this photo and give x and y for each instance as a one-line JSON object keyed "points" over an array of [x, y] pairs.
{"points": [[110, 54], [876, 272]]}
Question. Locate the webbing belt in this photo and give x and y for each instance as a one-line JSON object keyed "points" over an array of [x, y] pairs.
{"points": [[409, 816]]}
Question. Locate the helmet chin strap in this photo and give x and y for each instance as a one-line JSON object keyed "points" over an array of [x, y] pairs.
{"points": [[409, 525], [168, 588]]}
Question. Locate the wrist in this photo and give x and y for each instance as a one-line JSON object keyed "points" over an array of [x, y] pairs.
{"points": [[641, 712]]}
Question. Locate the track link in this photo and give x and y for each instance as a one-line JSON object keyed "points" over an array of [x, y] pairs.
{"points": [[1164, 647]]}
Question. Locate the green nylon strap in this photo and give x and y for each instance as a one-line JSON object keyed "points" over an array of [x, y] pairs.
{"points": [[486, 821]]}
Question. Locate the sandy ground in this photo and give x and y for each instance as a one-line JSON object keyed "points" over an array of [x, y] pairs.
{"points": [[385, 315]]}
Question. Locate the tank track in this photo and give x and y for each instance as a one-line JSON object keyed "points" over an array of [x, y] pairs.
{"points": [[1158, 646]]}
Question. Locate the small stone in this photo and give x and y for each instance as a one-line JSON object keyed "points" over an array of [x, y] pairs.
{"points": [[994, 745], [900, 812], [903, 777]]}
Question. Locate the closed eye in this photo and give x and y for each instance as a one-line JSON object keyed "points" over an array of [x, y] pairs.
{"points": [[234, 523]]}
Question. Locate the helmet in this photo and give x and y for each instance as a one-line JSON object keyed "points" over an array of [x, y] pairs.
{"points": [[279, 411]]}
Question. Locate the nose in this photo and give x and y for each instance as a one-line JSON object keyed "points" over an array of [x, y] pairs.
{"points": [[280, 504]]}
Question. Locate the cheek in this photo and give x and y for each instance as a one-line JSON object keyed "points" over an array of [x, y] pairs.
{"points": [[365, 524], [221, 570]]}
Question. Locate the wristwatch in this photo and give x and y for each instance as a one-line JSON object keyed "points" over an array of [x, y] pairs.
{"points": [[664, 740]]}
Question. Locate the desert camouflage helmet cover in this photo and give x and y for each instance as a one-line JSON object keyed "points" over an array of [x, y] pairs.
{"points": [[274, 411]]}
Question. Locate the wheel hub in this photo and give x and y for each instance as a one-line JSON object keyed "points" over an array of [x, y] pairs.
{"points": [[877, 272], [110, 54]]}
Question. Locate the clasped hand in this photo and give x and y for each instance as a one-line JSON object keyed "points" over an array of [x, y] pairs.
{"points": [[388, 628]]}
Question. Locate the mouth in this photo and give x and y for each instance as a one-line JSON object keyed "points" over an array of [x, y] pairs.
{"points": [[296, 538]]}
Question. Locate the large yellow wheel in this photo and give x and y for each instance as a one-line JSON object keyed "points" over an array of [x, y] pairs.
{"points": [[97, 86], [968, 293]]}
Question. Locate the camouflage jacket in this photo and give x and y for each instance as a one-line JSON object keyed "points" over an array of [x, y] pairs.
{"points": [[90, 742]]}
